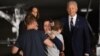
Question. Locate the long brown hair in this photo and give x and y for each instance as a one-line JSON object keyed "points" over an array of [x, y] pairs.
{"points": [[30, 11]]}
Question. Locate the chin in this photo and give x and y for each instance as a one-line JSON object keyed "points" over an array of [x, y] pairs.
{"points": [[72, 14]]}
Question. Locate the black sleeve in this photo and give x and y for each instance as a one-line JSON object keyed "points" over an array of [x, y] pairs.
{"points": [[22, 27], [58, 43], [87, 38], [19, 41], [43, 36]]}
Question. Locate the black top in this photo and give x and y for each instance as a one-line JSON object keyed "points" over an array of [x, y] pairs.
{"points": [[31, 43], [22, 27]]}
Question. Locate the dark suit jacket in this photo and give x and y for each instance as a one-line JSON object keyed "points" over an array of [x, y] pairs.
{"points": [[78, 41]]}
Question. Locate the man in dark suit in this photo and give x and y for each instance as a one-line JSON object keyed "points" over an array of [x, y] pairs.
{"points": [[76, 32]]}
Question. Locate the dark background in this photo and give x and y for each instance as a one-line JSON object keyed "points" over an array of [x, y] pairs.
{"points": [[54, 9]]}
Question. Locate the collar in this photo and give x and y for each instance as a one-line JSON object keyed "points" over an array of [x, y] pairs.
{"points": [[74, 19]]}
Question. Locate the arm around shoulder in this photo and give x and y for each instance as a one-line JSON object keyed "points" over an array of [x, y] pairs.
{"points": [[48, 42]]}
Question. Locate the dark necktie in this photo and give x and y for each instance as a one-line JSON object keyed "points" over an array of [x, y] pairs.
{"points": [[71, 25]]}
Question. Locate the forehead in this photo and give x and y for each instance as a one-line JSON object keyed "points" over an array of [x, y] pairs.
{"points": [[34, 9], [72, 4], [46, 22]]}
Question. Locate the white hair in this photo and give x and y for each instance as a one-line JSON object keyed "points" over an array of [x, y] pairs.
{"points": [[72, 3]]}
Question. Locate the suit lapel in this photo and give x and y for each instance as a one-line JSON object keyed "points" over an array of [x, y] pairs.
{"points": [[68, 24], [76, 25]]}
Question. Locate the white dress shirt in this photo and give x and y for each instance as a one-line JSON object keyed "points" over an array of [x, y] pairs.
{"points": [[74, 20]]}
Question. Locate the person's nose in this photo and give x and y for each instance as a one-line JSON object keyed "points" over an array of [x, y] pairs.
{"points": [[71, 9]]}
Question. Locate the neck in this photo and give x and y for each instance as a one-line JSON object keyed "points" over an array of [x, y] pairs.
{"points": [[29, 27], [72, 15]]}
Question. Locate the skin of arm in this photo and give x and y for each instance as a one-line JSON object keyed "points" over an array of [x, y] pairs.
{"points": [[15, 50], [48, 42]]}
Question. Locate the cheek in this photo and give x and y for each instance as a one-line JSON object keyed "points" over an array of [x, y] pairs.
{"points": [[48, 28], [72, 10], [45, 28], [36, 23], [32, 13]]}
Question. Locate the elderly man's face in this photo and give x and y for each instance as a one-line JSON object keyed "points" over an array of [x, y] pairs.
{"points": [[72, 9]]}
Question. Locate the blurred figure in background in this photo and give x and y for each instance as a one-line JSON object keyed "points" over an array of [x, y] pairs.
{"points": [[32, 10]]}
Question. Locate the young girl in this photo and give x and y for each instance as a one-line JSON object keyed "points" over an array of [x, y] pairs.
{"points": [[57, 49]]}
